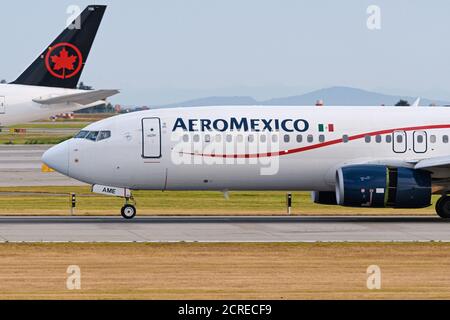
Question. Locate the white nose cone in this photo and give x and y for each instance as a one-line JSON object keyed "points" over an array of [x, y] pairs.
{"points": [[57, 158]]}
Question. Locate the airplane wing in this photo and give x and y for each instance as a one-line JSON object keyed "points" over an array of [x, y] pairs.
{"points": [[426, 164], [431, 163], [83, 98]]}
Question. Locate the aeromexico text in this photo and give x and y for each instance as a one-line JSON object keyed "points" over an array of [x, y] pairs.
{"points": [[241, 124]]}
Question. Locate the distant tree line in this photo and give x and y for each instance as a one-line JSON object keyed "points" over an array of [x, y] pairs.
{"points": [[402, 103]]}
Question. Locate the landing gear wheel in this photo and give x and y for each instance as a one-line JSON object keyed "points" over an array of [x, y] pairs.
{"points": [[443, 207], [128, 211]]}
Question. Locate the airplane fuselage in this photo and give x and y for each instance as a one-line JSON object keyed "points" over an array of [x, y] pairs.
{"points": [[251, 148], [17, 105]]}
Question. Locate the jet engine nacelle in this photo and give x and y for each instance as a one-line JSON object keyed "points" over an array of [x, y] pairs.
{"points": [[381, 186]]}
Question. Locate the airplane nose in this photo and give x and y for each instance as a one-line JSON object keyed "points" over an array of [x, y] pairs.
{"points": [[57, 158]]}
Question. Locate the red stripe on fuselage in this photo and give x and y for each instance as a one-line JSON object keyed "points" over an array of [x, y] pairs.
{"points": [[323, 144]]}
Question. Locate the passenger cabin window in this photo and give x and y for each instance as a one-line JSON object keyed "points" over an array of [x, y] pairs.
{"points": [[299, 138], [310, 138], [388, 139], [274, 138], [420, 139], [445, 139], [287, 138], [321, 138], [368, 139], [378, 139], [433, 138]]}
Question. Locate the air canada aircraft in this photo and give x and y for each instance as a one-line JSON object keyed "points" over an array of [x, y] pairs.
{"points": [[48, 86], [351, 156]]}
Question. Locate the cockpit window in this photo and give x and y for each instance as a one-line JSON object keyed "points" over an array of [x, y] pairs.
{"points": [[92, 135], [104, 135], [82, 134]]}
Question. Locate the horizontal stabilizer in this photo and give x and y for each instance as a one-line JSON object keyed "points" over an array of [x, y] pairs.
{"points": [[83, 98]]}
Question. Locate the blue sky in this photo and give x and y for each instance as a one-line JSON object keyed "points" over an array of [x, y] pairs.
{"points": [[165, 51]]}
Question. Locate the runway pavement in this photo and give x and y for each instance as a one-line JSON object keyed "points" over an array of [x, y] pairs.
{"points": [[223, 229], [21, 166]]}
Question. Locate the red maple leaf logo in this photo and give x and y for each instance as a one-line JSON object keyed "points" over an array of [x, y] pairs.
{"points": [[63, 61]]}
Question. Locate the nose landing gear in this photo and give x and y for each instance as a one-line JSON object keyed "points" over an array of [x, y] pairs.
{"points": [[129, 209]]}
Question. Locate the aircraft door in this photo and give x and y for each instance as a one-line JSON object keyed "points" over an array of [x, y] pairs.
{"points": [[2, 105], [151, 138], [399, 142], [420, 141]]}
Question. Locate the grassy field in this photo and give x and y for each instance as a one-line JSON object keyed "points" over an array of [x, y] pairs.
{"points": [[40, 133], [18, 139], [56, 201], [224, 271]]}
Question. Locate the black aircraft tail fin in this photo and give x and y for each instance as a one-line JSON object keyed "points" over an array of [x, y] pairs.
{"points": [[63, 61]]}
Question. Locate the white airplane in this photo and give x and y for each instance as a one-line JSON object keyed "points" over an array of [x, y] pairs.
{"points": [[352, 156], [48, 86]]}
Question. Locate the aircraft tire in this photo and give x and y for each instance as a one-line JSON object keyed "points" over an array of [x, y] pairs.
{"points": [[128, 211], [443, 207]]}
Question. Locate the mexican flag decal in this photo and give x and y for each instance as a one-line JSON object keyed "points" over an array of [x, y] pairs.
{"points": [[326, 128]]}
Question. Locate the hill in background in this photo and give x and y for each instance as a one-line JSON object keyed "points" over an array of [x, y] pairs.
{"points": [[334, 96]]}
